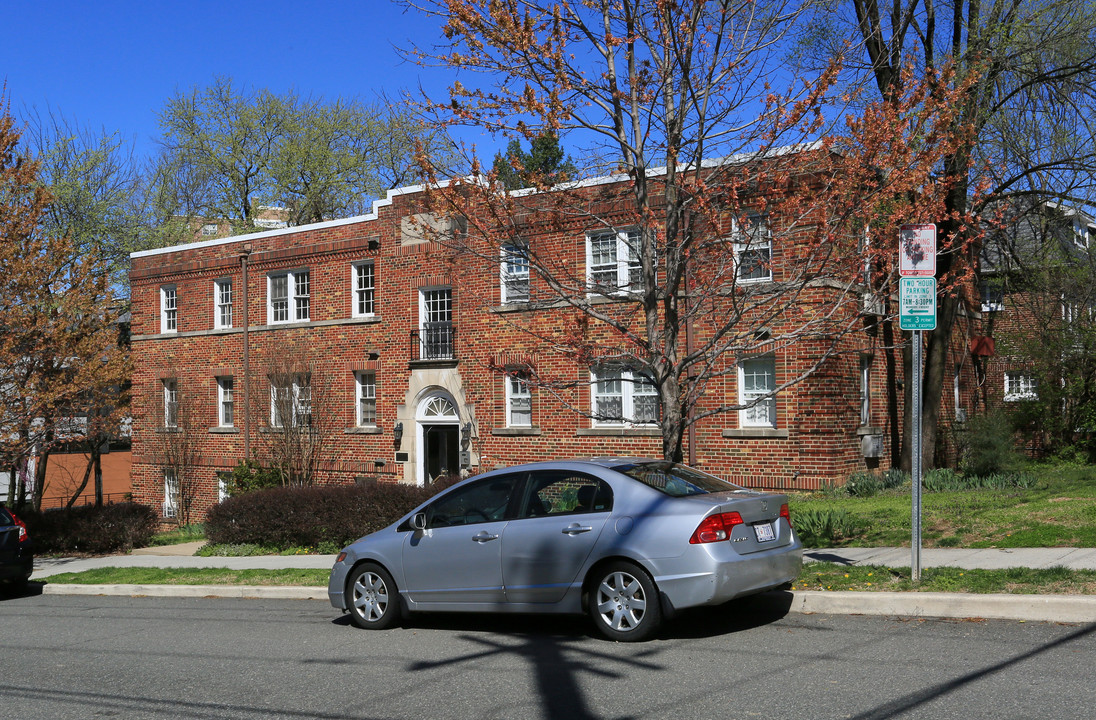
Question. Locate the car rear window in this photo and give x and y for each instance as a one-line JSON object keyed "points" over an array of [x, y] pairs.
{"points": [[5, 517], [676, 480]]}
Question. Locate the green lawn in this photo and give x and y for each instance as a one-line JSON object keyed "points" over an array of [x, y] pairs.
{"points": [[830, 576], [1059, 511]]}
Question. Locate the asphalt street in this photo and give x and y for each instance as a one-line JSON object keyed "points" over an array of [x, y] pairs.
{"points": [[69, 657]]}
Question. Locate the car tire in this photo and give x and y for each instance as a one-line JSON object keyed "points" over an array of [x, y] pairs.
{"points": [[372, 597], [623, 602]]}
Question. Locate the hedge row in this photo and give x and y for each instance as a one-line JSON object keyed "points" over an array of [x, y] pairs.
{"points": [[290, 517], [114, 528]]}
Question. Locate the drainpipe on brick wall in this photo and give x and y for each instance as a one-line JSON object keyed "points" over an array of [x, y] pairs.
{"points": [[688, 350], [247, 355]]}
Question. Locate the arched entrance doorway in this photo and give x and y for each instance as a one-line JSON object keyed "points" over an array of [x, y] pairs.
{"points": [[439, 437]]}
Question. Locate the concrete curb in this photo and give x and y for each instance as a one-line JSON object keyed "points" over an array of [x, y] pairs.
{"points": [[1032, 608], [1029, 608], [268, 592]]}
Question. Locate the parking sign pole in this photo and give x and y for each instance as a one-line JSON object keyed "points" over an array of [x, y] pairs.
{"points": [[915, 542]]}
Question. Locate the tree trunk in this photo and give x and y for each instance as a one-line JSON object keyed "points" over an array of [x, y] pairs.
{"points": [[83, 484]]}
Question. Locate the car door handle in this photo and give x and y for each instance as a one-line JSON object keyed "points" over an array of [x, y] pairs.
{"points": [[483, 536], [576, 529]]}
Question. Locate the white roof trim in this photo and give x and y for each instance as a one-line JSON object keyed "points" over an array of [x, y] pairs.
{"points": [[410, 189]]}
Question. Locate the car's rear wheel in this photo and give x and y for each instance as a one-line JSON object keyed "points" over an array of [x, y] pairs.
{"points": [[623, 602], [374, 600]]}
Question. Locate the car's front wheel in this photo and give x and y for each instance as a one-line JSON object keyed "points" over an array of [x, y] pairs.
{"points": [[374, 600], [623, 602]]}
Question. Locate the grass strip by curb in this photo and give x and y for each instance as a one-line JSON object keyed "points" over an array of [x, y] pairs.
{"points": [[193, 576], [868, 578]]}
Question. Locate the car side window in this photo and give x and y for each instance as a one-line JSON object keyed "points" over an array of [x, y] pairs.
{"points": [[557, 492], [484, 501]]}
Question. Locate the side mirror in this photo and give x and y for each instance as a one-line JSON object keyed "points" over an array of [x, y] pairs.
{"points": [[418, 521]]}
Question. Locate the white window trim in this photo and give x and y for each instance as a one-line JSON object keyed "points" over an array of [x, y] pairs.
{"points": [[629, 381], [226, 386], [364, 380], [292, 297], [355, 291], [506, 277], [169, 316], [223, 479], [525, 393], [218, 306], [865, 389], [296, 386], [171, 402], [747, 417], [624, 262], [171, 494], [741, 246], [1020, 386]]}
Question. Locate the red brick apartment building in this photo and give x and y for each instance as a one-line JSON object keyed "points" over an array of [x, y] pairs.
{"points": [[407, 352]]}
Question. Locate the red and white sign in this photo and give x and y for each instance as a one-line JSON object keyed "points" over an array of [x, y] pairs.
{"points": [[917, 250]]}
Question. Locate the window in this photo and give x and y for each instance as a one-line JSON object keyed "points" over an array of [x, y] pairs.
{"points": [[436, 323], [1019, 386], [480, 502], [224, 401], [209, 229], [753, 250], [865, 389], [224, 482], [519, 401], [363, 289], [169, 309], [171, 403], [222, 303], [366, 392], [558, 492], [613, 262], [1082, 232], [623, 397], [291, 401], [756, 379], [993, 296], [515, 274], [171, 494], [289, 297]]}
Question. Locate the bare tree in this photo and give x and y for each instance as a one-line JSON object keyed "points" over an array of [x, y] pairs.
{"points": [[301, 413], [726, 235], [178, 432]]}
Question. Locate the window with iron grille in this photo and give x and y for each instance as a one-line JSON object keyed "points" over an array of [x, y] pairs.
{"points": [[436, 323], [289, 297], [1020, 386], [623, 397], [222, 303], [364, 283], [171, 494]]}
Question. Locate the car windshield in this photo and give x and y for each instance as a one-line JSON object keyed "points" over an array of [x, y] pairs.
{"points": [[674, 479]]}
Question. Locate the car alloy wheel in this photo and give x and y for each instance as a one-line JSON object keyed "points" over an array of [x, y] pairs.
{"points": [[624, 603], [373, 597]]}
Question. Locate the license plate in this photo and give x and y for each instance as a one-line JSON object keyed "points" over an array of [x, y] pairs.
{"points": [[764, 532]]}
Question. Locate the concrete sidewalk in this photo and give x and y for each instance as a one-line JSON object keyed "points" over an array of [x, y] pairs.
{"points": [[1027, 608]]}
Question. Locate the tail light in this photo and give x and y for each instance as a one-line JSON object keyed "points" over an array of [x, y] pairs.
{"points": [[786, 514], [715, 528], [21, 525]]}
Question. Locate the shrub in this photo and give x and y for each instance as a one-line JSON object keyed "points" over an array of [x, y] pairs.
{"points": [[249, 476], [311, 516], [822, 527], [114, 528]]}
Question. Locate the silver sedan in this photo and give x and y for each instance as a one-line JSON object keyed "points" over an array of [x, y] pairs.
{"points": [[629, 541]]}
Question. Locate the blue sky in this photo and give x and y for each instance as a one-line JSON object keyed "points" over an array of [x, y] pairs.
{"points": [[113, 63]]}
